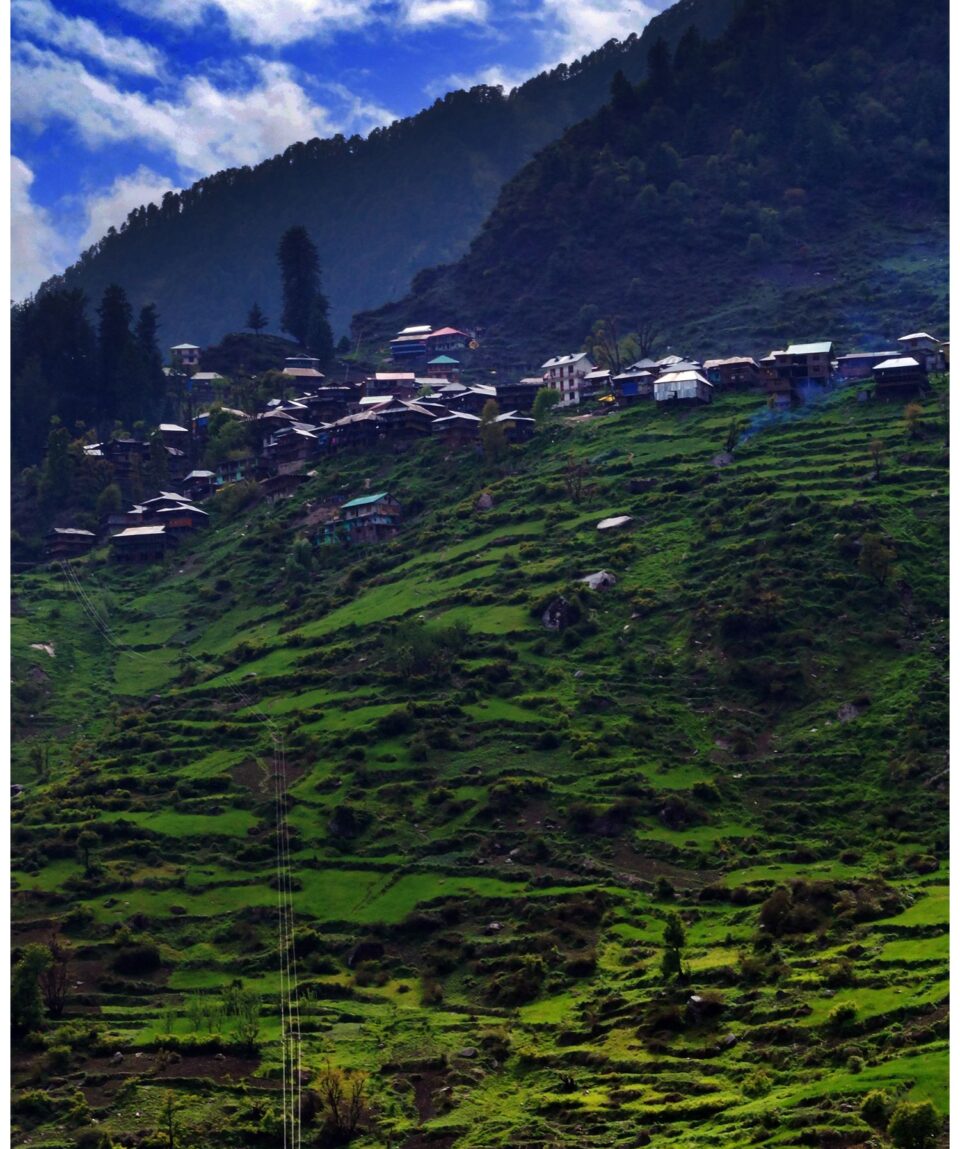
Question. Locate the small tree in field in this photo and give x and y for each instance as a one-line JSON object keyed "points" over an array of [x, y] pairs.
{"points": [[492, 434], [876, 454], [913, 417], [26, 1002], [53, 979], [914, 1125], [342, 1094], [876, 558], [87, 842], [544, 402], [674, 940]]}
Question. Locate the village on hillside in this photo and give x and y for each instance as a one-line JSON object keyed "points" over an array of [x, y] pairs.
{"points": [[424, 396]]}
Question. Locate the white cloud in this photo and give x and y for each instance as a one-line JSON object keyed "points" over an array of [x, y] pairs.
{"points": [[39, 20], [494, 77], [36, 249], [572, 29], [205, 128], [263, 22], [111, 206], [421, 13]]}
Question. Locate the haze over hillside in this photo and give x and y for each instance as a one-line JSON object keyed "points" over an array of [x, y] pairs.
{"points": [[786, 182], [409, 196]]}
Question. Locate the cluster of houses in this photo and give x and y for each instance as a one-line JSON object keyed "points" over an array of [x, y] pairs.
{"points": [[787, 376], [399, 407]]}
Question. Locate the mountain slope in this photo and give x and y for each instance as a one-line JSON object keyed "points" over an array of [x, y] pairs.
{"points": [[787, 182], [379, 209], [490, 824]]}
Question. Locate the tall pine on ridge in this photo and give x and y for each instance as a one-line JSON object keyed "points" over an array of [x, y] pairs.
{"points": [[305, 307]]}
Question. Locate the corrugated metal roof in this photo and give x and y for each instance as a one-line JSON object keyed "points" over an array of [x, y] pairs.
{"points": [[138, 532], [904, 361], [918, 335], [365, 500], [72, 531], [563, 360], [173, 427], [443, 359], [808, 349]]}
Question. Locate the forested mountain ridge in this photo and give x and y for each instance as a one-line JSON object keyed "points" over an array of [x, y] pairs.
{"points": [[379, 209], [788, 181]]}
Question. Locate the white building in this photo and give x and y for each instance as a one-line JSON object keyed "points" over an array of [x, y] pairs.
{"points": [[565, 374], [685, 385], [185, 355]]}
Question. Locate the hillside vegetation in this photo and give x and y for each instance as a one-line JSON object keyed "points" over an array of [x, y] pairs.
{"points": [[492, 825], [785, 182], [379, 209]]}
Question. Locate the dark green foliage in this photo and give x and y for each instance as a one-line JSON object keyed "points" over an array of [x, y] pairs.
{"points": [[914, 1125], [204, 253], [26, 1001], [719, 166], [300, 276]]}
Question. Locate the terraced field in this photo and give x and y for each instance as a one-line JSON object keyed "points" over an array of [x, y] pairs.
{"points": [[491, 824]]}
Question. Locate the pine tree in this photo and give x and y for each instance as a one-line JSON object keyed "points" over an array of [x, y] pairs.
{"points": [[300, 273], [114, 339], [319, 334], [256, 320], [152, 378]]}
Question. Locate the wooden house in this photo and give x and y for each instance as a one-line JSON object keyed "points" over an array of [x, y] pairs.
{"points": [[803, 365], [459, 428], [900, 378], [139, 544], [288, 448], [596, 382], [737, 373], [236, 470], [125, 454], [519, 396], [410, 343], [473, 399], [860, 364], [517, 428], [446, 339], [199, 484], [402, 384], [355, 432], [68, 542], [443, 367], [682, 386], [181, 520], [278, 487], [403, 419], [368, 519], [925, 348], [632, 385]]}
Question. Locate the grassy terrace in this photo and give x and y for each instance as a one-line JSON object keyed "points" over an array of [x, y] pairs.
{"points": [[748, 730]]}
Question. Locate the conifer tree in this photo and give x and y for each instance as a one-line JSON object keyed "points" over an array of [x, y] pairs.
{"points": [[256, 320], [300, 273]]}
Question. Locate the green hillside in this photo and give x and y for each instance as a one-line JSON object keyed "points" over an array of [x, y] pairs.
{"points": [[747, 731], [787, 180], [379, 208]]}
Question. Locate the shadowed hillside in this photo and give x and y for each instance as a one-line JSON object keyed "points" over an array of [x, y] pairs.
{"points": [[788, 181], [379, 209]]}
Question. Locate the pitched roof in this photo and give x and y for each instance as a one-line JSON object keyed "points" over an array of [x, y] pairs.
{"points": [[689, 376], [394, 376], [808, 349], [173, 427], [304, 372], [365, 500], [185, 347], [199, 475], [563, 360], [138, 532], [442, 359], [918, 335], [72, 531], [447, 331], [904, 361], [423, 329]]}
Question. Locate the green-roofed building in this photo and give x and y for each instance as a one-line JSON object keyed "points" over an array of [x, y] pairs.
{"points": [[367, 519], [443, 367]]}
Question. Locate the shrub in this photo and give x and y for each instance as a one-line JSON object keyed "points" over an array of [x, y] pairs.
{"points": [[914, 1125], [141, 958], [841, 1017], [876, 1107]]}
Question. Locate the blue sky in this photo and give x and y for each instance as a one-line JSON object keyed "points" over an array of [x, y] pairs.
{"points": [[115, 102]]}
